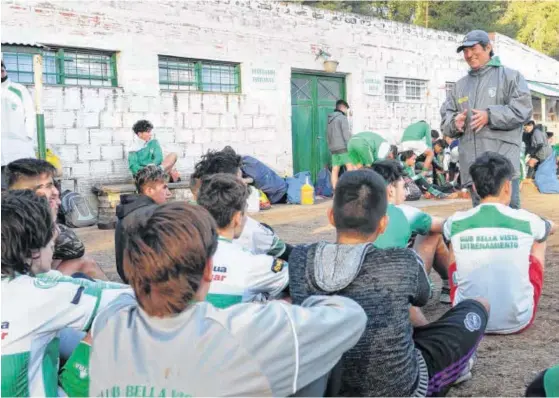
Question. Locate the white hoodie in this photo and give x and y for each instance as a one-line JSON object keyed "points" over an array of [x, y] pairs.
{"points": [[18, 123]]}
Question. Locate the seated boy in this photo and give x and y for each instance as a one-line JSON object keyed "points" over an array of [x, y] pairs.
{"points": [[171, 342], [256, 237], [499, 251], [144, 151], [408, 159], [400, 354], [404, 222], [68, 256], [152, 188], [38, 303], [367, 147], [239, 275]]}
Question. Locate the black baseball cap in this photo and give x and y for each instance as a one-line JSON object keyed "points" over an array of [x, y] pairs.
{"points": [[472, 38]]}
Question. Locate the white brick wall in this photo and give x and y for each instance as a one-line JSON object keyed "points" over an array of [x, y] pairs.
{"points": [[91, 128]]}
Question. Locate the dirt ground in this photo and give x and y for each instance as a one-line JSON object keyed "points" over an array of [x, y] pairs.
{"points": [[506, 364]]}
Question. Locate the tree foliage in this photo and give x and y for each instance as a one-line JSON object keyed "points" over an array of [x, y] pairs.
{"points": [[534, 23]]}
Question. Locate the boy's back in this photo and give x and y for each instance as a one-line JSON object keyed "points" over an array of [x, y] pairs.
{"points": [[241, 276], [492, 245], [385, 283]]}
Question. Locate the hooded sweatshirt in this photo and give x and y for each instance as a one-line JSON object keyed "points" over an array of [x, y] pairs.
{"points": [[385, 283], [504, 94], [127, 212], [338, 134]]}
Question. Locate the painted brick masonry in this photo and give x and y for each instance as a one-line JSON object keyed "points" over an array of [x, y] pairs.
{"points": [[90, 128]]}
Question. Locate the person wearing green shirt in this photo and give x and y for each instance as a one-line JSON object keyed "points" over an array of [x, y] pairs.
{"points": [[546, 384], [408, 159], [404, 222], [367, 147], [146, 150], [417, 138]]}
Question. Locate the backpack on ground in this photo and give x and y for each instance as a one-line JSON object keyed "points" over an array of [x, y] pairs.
{"points": [[412, 190], [294, 185], [77, 212], [324, 183], [264, 178]]}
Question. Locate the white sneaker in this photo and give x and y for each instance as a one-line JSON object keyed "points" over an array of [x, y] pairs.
{"points": [[466, 374]]}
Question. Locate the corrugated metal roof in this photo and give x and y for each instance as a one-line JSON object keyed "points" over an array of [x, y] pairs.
{"points": [[549, 90], [23, 44]]}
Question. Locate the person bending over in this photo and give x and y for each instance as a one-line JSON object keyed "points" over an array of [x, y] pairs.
{"points": [[152, 189], [367, 147], [39, 303], [404, 222], [417, 138], [256, 237], [245, 350], [37, 175], [400, 354], [498, 251]]}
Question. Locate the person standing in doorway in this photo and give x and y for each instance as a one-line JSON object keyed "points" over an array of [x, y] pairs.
{"points": [[338, 136], [18, 123], [487, 110]]}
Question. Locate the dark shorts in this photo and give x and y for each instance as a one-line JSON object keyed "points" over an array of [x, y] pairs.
{"points": [[448, 343]]}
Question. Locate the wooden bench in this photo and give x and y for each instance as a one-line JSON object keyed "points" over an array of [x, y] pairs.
{"points": [[109, 198]]}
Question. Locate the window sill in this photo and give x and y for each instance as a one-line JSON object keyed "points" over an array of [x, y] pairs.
{"points": [[197, 92]]}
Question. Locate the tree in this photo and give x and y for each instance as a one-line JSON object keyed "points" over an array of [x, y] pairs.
{"points": [[535, 23]]}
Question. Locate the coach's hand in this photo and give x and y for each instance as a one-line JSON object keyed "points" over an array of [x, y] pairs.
{"points": [[479, 120], [460, 120]]}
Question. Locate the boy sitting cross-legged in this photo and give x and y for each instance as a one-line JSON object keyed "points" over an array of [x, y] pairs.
{"points": [[238, 274], [404, 222], [499, 251], [400, 353]]}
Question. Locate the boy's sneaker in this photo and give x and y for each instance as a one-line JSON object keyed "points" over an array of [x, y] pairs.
{"points": [[444, 298], [466, 374]]}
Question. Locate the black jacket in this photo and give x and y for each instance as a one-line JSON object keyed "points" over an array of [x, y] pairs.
{"points": [[130, 208]]}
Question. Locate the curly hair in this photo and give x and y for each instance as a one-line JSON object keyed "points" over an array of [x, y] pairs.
{"points": [[27, 227], [225, 161], [148, 175], [142, 126], [166, 253]]}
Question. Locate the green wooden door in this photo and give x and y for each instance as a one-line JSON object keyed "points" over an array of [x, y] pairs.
{"points": [[313, 97]]}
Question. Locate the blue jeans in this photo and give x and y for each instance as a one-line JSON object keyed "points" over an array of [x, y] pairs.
{"points": [[515, 197]]}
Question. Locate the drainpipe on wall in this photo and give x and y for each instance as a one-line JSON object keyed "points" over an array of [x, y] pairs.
{"points": [[38, 72]]}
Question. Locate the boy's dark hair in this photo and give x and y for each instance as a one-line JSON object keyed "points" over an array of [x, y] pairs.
{"points": [[394, 151], [27, 227], [549, 134], [406, 155], [489, 172], [142, 126], [531, 123], [390, 170], [223, 195], [435, 134], [165, 256], [441, 143], [28, 167], [341, 102], [359, 202], [149, 175], [225, 161]]}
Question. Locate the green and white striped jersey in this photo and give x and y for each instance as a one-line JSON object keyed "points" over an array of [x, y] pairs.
{"points": [[241, 276], [34, 311]]}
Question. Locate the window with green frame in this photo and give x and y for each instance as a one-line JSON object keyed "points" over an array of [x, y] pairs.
{"points": [[63, 66], [184, 74]]}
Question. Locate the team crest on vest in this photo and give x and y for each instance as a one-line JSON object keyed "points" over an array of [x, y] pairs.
{"points": [[277, 266], [472, 321], [14, 106], [45, 283], [492, 92]]}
